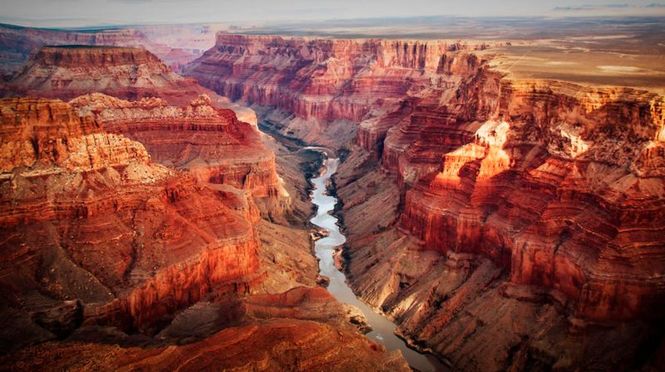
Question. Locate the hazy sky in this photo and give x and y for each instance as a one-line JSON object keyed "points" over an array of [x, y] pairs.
{"points": [[95, 12]]}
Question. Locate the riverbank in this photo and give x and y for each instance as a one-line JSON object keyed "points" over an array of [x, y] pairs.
{"points": [[383, 330]]}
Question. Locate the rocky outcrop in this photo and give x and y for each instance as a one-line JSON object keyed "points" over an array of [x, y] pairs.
{"points": [[212, 144], [176, 45], [553, 188], [69, 71], [321, 81], [86, 215], [542, 199], [299, 330], [173, 117]]}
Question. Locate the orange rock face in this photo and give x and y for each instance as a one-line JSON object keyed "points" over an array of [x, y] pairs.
{"points": [[66, 72], [124, 218], [555, 187], [321, 81], [211, 143], [558, 185], [85, 214]]}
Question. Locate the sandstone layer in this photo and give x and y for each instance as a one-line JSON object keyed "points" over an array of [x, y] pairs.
{"points": [[325, 84], [118, 262], [211, 143], [543, 202], [86, 215], [69, 71]]}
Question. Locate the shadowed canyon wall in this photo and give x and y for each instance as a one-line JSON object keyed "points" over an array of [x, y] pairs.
{"points": [[518, 222]]}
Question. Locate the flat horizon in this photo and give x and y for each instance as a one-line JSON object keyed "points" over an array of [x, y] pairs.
{"points": [[112, 13]]}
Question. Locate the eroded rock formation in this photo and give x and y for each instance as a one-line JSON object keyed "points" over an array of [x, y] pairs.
{"points": [[102, 248], [212, 144], [176, 45], [544, 200], [325, 81], [86, 215], [66, 72]]}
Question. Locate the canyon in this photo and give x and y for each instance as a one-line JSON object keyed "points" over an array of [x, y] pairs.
{"points": [[478, 206], [502, 214], [126, 219], [176, 45]]}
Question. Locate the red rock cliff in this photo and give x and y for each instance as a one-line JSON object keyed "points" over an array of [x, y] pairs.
{"points": [[494, 165], [559, 183], [211, 143], [86, 215], [534, 199], [326, 80], [66, 72]]}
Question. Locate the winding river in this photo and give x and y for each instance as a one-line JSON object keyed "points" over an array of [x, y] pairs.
{"points": [[382, 328]]}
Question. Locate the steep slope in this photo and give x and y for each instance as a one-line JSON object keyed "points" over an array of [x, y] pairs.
{"points": [[87, 216], [69, 71], [543, 202], [102, 249], [212, 144], [181, 128], [324, 81], [545, 206]]}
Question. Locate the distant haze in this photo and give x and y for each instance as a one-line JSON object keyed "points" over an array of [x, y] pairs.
{"points": [[74, 13]]}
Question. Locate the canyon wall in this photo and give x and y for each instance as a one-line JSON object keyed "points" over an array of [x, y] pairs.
{"points": [[175, 118], [176, 45], [322, 81], [541, 198], [130, 227], [66, 72], [503, 223], [211, 143], [86, 215], [562, 184]]}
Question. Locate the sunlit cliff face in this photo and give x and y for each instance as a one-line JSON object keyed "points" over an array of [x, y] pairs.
{"points": [[487, 147]]}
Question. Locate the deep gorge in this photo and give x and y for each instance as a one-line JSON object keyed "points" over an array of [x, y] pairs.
{"points": [[496, 206], [524, 196]]}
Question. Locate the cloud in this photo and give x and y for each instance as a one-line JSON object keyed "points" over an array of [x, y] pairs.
{"points": [[610, 6]]}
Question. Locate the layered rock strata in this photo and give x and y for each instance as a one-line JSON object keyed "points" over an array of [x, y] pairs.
{"points": [[541, 199], [174, 44], [212, 144], [325, 81], [66, 72], [99, 242], [86, 215]]}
